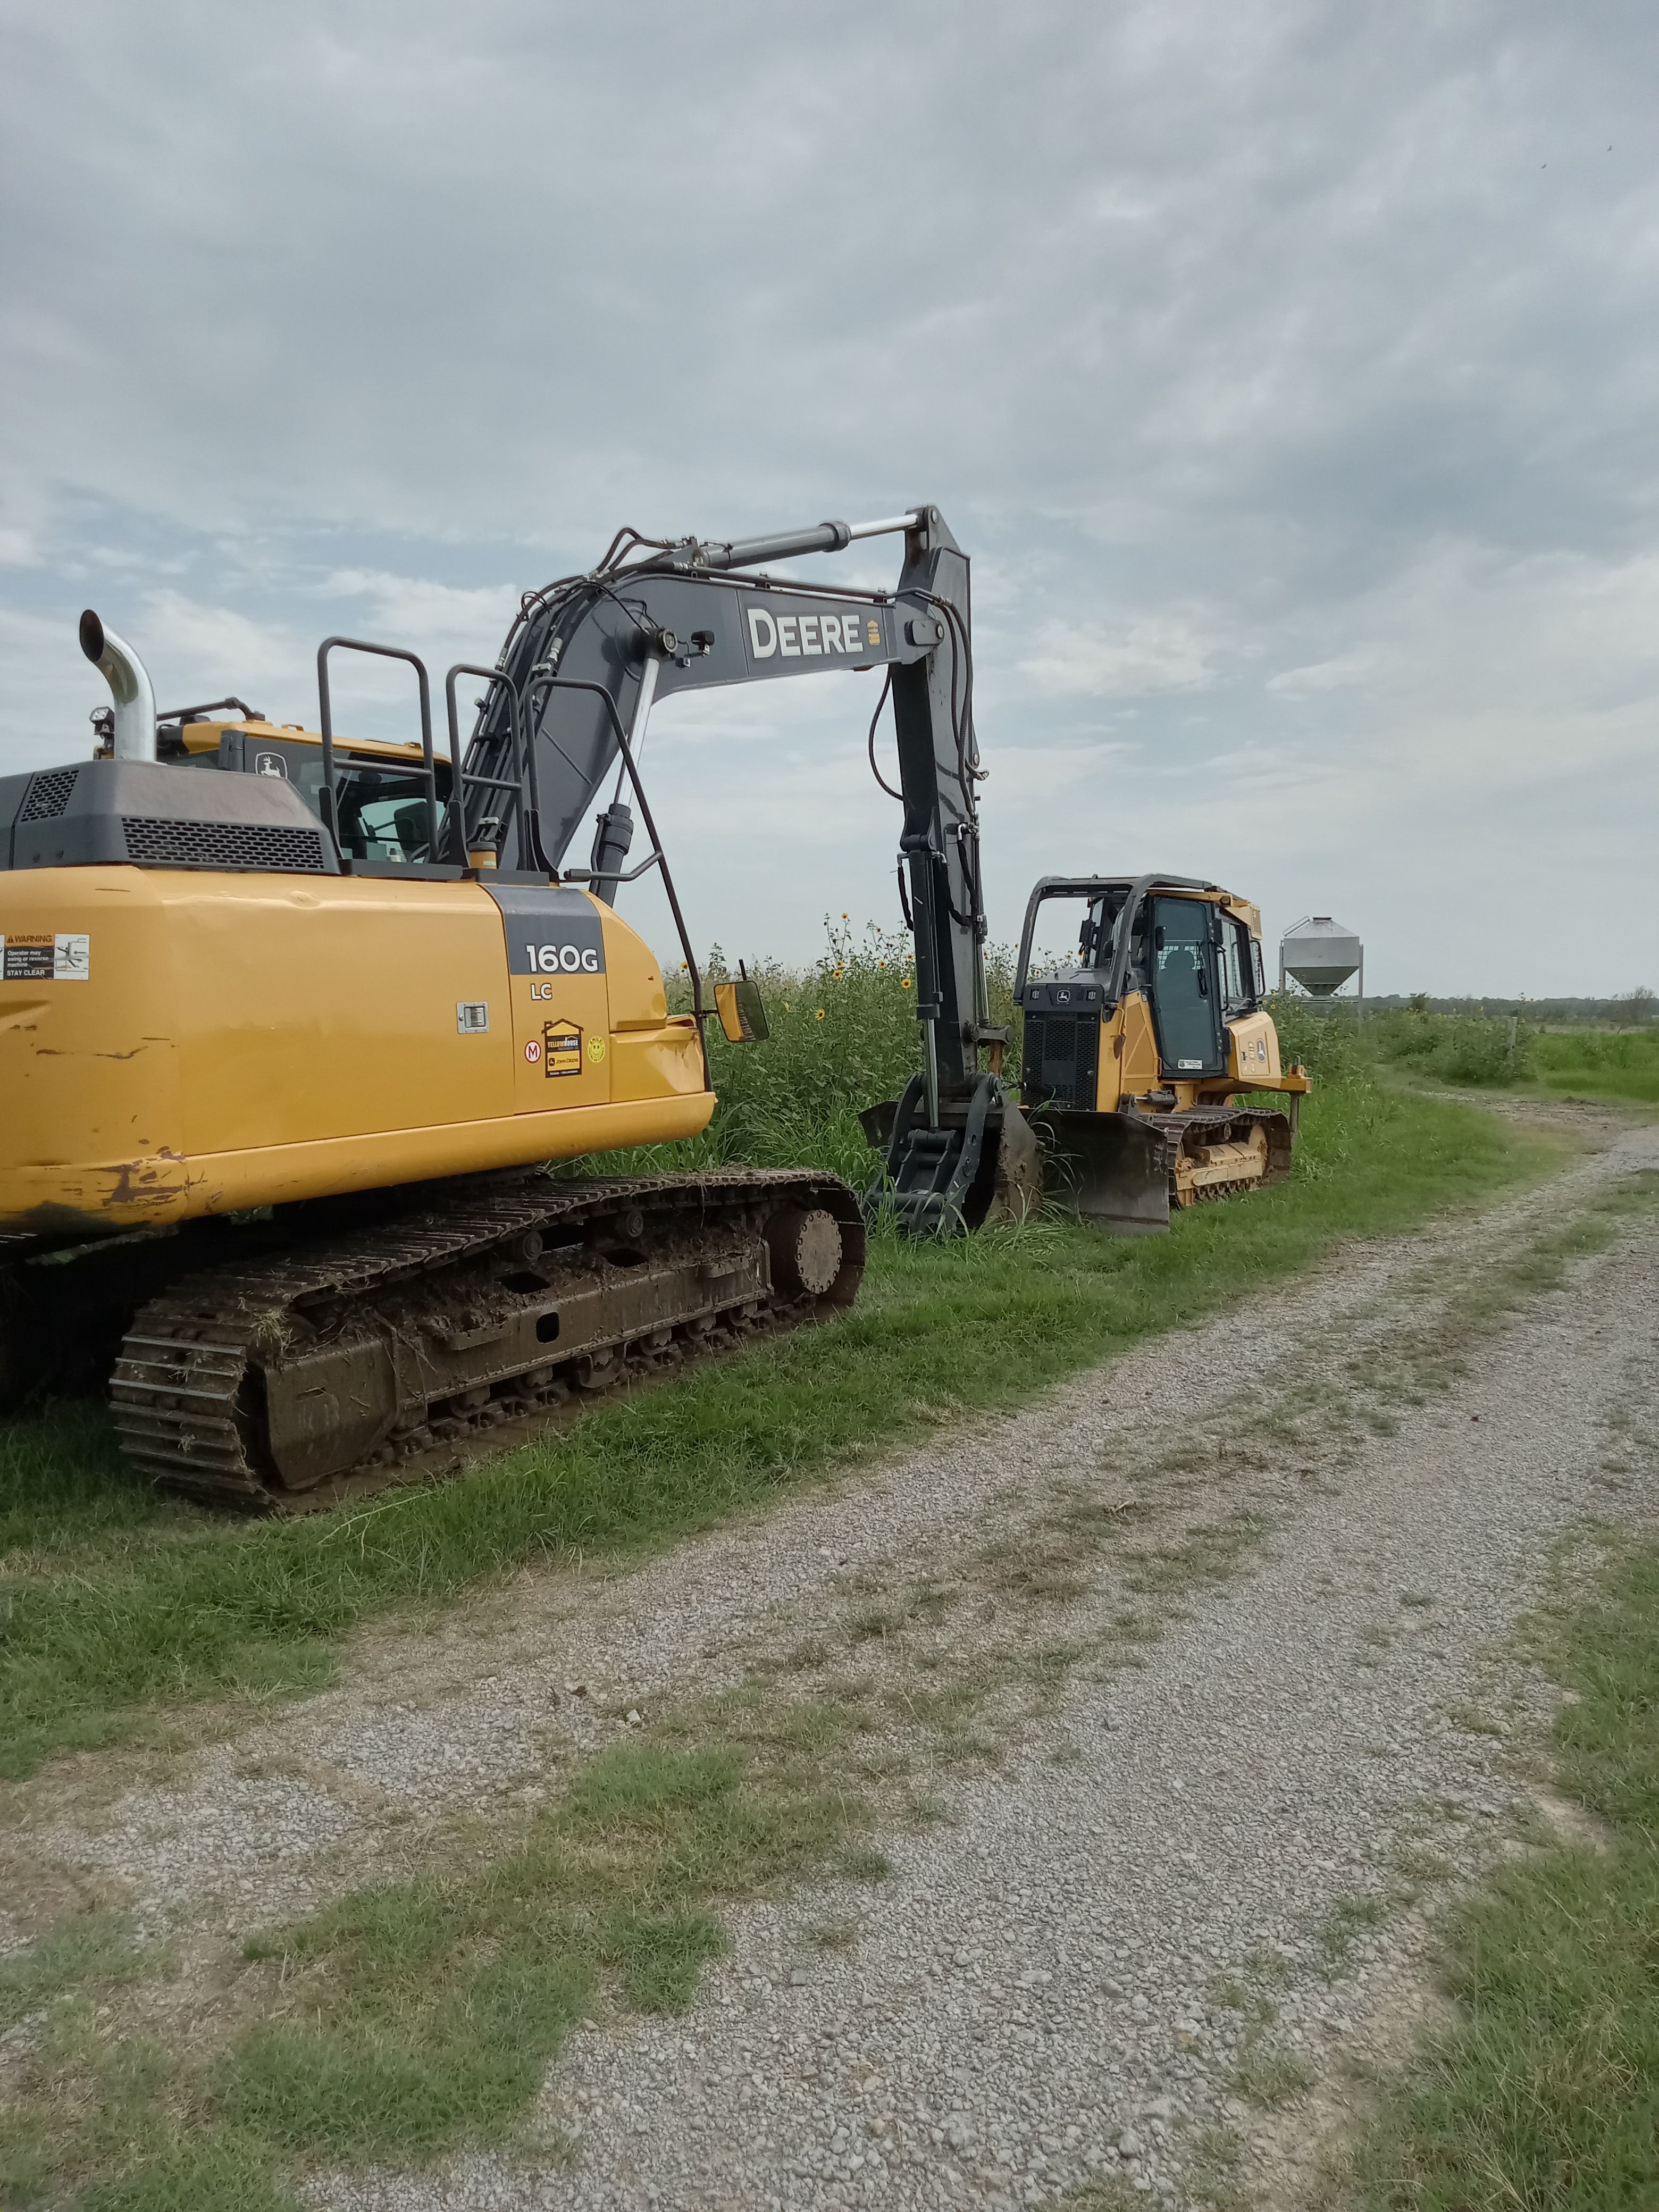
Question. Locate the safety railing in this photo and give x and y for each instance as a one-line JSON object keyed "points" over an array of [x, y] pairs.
{"points": [[329, 796], [523, 784]]}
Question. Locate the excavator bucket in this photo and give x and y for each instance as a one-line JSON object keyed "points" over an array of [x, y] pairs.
{"points": [[982, 1163], [1111, 1170]]}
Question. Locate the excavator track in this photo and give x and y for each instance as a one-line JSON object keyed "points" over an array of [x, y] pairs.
{"points": [[1218, 1151], [303, 1379]]}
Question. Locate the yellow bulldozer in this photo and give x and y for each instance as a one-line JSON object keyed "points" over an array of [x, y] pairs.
{"points": [[1138, 1052]]}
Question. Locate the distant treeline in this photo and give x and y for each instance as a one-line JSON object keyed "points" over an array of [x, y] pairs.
{"points": [[1631, 1010]]}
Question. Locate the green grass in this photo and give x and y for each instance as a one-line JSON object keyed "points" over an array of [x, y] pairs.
{"points": [[1471, 1048], [1620, 1067], [114, 1605], [1599, 1064], [91, 1947], [1544, 2095], [1269, 2074], [410, 2016], [429, 2009]]}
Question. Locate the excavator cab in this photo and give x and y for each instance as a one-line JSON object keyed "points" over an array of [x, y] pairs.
{"points": [[381, 793], [381, 788]]}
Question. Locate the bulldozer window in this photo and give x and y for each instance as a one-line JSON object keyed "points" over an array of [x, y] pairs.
{"points": [[1237, 974], [1095, 938], [1185, 1002]]}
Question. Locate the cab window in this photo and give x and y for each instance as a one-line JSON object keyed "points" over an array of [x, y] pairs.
{"points": [[382, 808], [1095, 938], [1238, 970], [382, 816]]}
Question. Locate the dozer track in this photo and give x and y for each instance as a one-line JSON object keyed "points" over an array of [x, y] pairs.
{"points": [[1215, 1152], [299, 1380]]}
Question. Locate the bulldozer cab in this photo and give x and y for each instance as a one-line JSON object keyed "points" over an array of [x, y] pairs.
{"points": [[1169, 938]]}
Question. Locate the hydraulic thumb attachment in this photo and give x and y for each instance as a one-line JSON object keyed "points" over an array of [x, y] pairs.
{"points": [[978, 1163]]}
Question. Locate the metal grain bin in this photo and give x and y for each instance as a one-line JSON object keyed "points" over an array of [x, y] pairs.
{"points": [[1320, 953]]}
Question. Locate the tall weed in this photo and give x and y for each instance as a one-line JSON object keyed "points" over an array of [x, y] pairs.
{"points": [[1329, 1046], [1471, 1048], [844, 1036]]}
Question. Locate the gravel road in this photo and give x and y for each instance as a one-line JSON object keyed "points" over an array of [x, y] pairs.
{"points": [[1204, 1876]]}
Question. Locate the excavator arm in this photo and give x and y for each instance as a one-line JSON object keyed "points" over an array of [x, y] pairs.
{"points": [[589, 656]]}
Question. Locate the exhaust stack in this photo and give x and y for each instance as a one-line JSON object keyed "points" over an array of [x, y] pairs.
{"points": [[128, 680]]}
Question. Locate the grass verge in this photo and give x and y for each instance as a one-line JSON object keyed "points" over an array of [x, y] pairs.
{"points": [[1544, 2095], [1601, 1067], [114, 1605]]}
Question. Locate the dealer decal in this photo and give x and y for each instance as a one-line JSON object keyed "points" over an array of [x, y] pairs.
{"points": [[45, 958], [561, 1048]]}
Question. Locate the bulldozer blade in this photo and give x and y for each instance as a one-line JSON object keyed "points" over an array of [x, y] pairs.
{"points": [[1111, 1170], [1017, 1186], [877, 1123]]}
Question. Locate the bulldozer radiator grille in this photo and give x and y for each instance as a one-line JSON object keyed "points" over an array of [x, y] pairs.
{"points": [[161, 844], [1062, 1060], [49, 795]]}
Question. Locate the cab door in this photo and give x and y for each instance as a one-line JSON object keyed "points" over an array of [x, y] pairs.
{"points": [[1192, 1038]]}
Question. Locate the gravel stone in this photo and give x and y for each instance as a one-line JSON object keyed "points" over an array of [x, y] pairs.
{"points": [[1041, 1995]]}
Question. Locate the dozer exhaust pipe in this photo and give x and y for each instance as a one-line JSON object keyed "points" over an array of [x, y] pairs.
{"points": [[128, 680]]}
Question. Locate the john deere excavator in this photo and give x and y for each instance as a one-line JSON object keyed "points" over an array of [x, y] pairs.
{"points": [[284, 1020]]}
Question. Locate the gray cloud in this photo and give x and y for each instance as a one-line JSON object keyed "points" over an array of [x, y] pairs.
{"points": [[1287, 368]]}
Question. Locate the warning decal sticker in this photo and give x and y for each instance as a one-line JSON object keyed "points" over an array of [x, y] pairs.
{"points": [[561, 1048], [44, 958]]}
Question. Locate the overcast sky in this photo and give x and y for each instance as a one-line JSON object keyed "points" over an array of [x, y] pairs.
{"points": [[1288, 369]]}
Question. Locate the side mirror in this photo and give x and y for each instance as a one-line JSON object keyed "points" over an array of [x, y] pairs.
{"points": [[742, 1015]]}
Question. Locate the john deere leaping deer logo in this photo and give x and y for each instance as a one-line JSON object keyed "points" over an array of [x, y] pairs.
{"points": [[561, 1048]]}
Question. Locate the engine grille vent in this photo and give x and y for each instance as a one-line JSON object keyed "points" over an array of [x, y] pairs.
{"points": [[49, 794], [163, 844], [1062, 1060]]}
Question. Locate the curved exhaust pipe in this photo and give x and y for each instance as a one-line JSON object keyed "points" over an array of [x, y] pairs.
{"points": [[129, 679]]}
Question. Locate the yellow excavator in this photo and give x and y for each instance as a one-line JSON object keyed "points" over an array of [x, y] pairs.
{"points": [[290, 1027]]}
